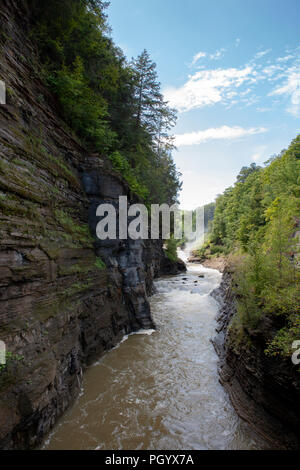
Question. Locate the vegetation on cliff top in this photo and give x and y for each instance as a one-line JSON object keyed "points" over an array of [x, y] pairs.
{"points": [[257, 219], [115, 107]]}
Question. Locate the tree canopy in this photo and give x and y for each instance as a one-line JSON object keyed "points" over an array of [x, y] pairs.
{"points": [[115, 107], [257, 219]]}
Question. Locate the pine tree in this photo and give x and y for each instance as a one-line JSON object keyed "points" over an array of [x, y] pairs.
{"points": [[151, 111]]}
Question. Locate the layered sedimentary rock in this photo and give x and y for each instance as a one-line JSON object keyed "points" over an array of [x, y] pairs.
{"points": [[65, 297], [264, 390]]}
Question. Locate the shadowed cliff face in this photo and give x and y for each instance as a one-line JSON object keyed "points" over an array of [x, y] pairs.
{"points": [[59, 310]]}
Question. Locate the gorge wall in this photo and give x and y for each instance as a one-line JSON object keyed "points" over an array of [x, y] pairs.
{"points": [[264, 390], [65, 297]]}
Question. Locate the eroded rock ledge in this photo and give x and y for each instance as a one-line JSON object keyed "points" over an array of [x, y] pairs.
{"points": [[264, 390]]}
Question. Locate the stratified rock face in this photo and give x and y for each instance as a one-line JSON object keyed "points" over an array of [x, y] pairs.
{"points": [[264, 390], [59, 309]]}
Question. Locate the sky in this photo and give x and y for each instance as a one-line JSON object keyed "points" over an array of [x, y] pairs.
{"points": [[231, 68]]}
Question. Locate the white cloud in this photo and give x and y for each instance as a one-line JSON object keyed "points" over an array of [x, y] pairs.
{"points": [[207, 87], [236, 86], [201, 55], [285, 59], [224, 132], [198, 56], [261, 54], [263, 110], [237, 42], [260, 153], [218, 54], [291, 88], [273, 72]]}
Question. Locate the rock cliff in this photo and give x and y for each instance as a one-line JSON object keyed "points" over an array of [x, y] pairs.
{"points": [[65, 297], [264, 390]]}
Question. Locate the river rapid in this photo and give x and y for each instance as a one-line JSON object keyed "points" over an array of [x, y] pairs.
{"points": [[159, 390]]}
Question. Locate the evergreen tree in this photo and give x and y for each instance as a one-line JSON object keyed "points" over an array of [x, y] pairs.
{"points": [[151, 111]]}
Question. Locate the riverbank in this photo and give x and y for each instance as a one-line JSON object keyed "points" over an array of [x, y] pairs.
{"points": [[263, 390], [218, 262]]}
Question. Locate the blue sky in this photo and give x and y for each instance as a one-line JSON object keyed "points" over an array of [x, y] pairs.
{"points": [[232, 70]]}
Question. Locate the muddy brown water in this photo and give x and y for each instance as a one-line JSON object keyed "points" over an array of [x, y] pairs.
{"points": [[159, 390]]}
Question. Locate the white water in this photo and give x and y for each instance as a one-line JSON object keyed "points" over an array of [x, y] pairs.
{"points": [[160, 391]]}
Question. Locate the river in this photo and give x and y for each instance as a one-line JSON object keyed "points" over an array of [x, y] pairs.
{"points": [[159, 390]]}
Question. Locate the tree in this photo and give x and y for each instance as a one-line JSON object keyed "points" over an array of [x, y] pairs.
{"points": [[151, 111], [116, 108], [257, 219], [246, 171]]}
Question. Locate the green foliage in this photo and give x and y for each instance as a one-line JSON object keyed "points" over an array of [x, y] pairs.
{"points": [[11, 358], [171, 249], [151, 111], [282, 343], [114, 107], [241, 211], [76, 233], [258, 218], [209, 250], [84, 111], [122, 165], [100, 264]]}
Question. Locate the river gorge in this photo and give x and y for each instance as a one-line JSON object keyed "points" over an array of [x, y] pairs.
{"points": [[108, 343], [160, 389]]}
